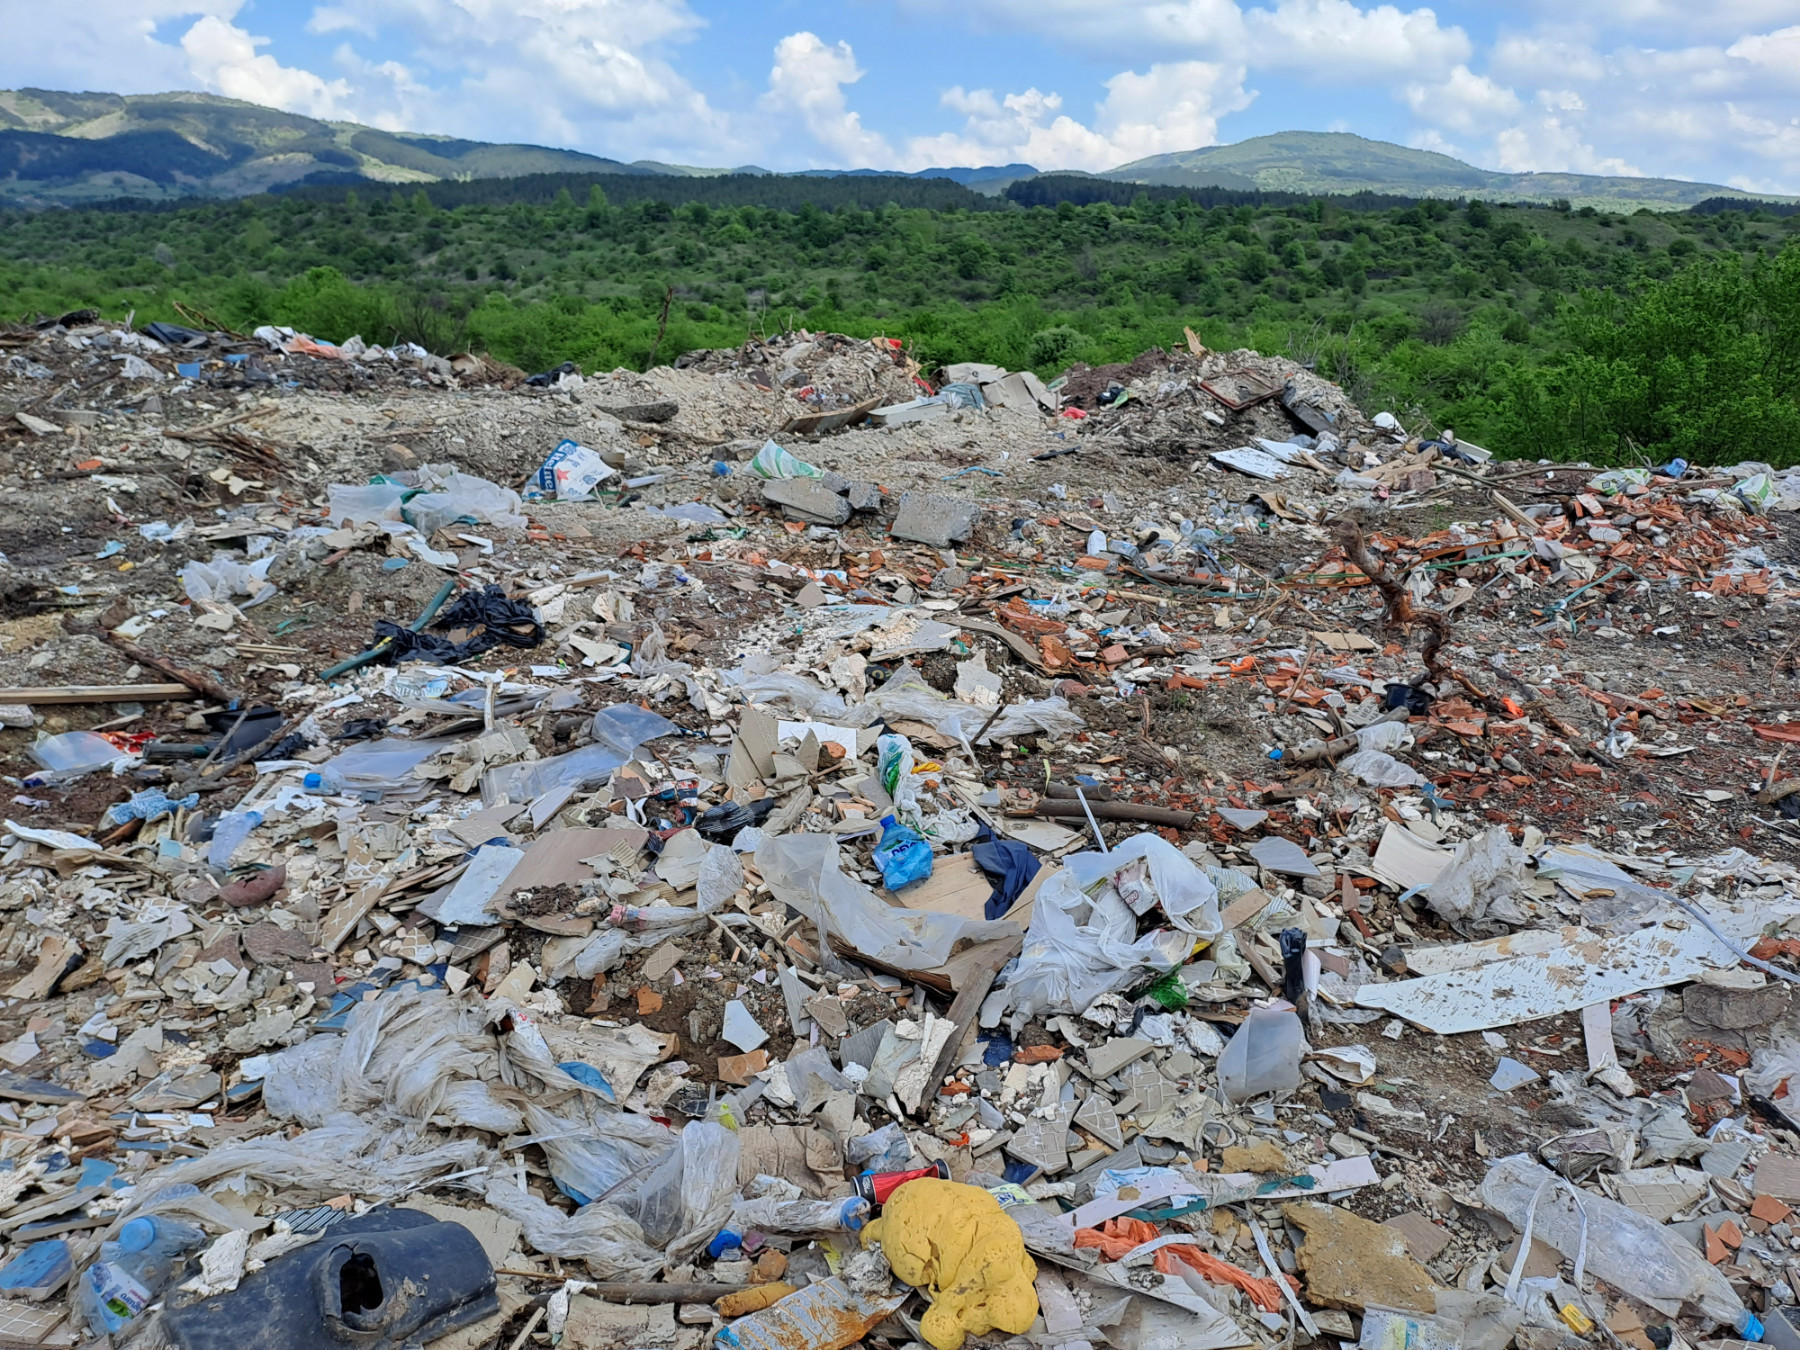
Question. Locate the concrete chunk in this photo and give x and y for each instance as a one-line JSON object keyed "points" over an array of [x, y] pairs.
{"points": [[928, 518], [807, 499], [864, 496]]}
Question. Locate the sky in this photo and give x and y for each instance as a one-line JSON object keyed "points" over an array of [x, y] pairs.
{"points": [[1670, 88]]}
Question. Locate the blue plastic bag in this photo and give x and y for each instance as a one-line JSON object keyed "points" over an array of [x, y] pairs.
{"points": [[903, 855]]}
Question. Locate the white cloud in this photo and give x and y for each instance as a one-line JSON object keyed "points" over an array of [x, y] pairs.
{"points": [[1337, 41], [1174, 106], [108, 45], [808, 78], [1462, 101], [224, 59]]}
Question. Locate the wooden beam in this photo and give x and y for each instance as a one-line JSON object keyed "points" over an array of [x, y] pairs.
{"points": [[96, 693]]}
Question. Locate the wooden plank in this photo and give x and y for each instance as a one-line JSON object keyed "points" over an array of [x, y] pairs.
{"points": [[971, 990], [96, 693]]}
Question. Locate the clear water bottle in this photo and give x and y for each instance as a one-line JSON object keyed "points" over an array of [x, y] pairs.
{"points": [[800, 1216], [326, 782], [132, 1270], [229, 835]]}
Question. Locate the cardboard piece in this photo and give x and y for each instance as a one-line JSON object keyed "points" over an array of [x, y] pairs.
{"points": [[956, 886]]}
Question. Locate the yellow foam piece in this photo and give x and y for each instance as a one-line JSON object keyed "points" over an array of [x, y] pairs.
{"points": [[957, 1244]]}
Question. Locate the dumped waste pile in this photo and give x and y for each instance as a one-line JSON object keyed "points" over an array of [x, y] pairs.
{"points": [[798, 850]]}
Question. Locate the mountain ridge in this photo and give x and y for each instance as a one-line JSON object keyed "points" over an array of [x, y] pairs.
{"points": [[66, 148], [1325, 162]]}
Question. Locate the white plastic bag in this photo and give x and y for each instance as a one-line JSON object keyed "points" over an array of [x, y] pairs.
{"points": [[1083, 939], [1384, 736], [224, 577], [359, 504], [1485, 871], [1379, 769], [462, 494]]}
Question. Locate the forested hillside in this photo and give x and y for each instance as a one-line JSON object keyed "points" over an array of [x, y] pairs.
{"points": [[1540, 331]]}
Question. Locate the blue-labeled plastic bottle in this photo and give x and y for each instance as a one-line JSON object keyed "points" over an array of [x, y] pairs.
{"points": [[132, 1270], [902, 855]]}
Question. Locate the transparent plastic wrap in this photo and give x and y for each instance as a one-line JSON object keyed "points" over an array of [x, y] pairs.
{"points": [[802, 870], [884, 1150], [905, 696], [368, 1158], [1384, 736], [618, 732], [812, 1078], [687, 1199], [1630, 1251], [721, 877], [1377, 768], [225, 577], [365, 503], [422, 1055], [800, 1217], [74, 753], [780, 686], [602, 1235], [460, 494], [382, 766], [594, 1148]]}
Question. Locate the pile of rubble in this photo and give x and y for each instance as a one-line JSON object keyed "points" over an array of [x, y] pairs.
{"points": [[795, 850]]}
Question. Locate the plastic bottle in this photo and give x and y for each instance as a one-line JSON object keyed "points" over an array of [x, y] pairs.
{"points": [[229, 835], [132, 1270], [902, 855], [324, 781], [1264, 1055], [800, 1216]]}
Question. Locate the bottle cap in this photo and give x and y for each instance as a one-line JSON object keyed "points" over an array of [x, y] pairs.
{"points": [[137, 1235]]}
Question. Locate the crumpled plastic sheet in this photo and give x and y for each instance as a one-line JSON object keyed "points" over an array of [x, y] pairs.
{"points": [[803, 871], [687, 1199], [619, 730], [906, 697], [224, 577], [781, 686], [602, 1235], [1083, 938], [592, 1147], [1379, 769], [420, 1055], [459, 494], [1485, 871], [346, 1155]]}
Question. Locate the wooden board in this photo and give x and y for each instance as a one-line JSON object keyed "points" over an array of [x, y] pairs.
{"points": [[97, 693]]}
